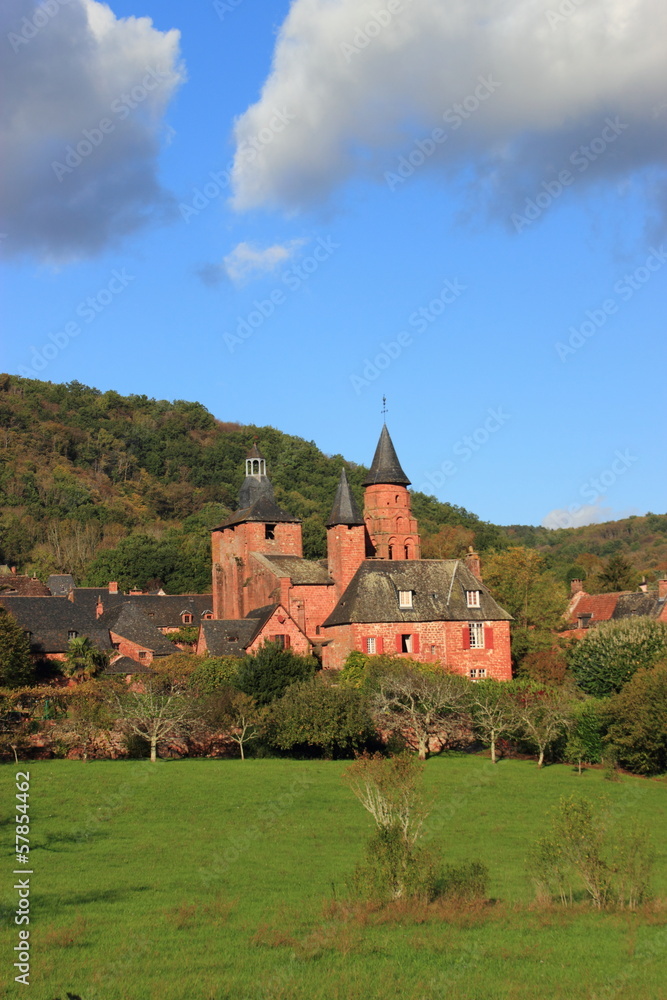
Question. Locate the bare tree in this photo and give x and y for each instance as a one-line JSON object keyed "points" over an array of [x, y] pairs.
{"points": [[541, 717], [242, 716], [421, 705], [389, 788], [493, 712], [155, 715]]}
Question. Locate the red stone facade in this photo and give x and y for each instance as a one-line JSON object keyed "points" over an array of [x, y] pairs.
{"points": [[125, 647], [393, 531], [238, 584]]}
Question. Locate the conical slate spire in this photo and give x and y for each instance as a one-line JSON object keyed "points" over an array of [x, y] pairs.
{"points": [[386, 467], [345, 509]]}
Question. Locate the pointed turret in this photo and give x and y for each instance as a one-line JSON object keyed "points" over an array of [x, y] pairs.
{"points": [[386, 468], [345, 509]]}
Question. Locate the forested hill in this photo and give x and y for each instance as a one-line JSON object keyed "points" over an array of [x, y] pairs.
{"points": [[125, 487]]}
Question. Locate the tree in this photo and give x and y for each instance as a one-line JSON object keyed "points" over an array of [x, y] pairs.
{"points": [[612, 652], [242, 717], [16, 666], [493, 712], [84, 660], [542, 717], [213, 673], [315, 714], [584, 743], [421, 705], [521, 584], [618, 574], [155, 716], [268, 673], [637, 718]]}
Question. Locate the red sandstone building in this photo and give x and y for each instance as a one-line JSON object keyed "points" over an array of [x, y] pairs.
{"points": [[374, 593]]}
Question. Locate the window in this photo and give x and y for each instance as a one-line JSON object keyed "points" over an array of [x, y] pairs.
{"points": [[407, 643], [391, 551], [28, 635], [371, 644], [476, 631], [186, 618], [270, 531], [405, 598], [142, 654], [282, 640], [472, 598], [208, 615], [72, 634], [477, 675], [317, 630]]}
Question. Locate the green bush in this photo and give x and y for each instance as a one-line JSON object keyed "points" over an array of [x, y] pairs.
{"points": [[393, 869], [610, 654], [213, 673], [267, 674], [637, 716], [466, 883], [316, 717]]}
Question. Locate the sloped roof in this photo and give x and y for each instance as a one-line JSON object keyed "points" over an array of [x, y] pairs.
{"points": [[600, 607], [50, 619], [60, 584], [126, 665], [229, 637], [439, 593], [22, 586], [263, 509], [302, 572], [130, 623], [637, 605], [385, 467], [163, 611], [345, 509]]}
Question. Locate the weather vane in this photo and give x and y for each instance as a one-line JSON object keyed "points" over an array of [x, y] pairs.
{"points": [[384, 408]]}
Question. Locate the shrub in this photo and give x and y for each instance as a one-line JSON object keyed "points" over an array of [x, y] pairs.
{"points": [[316, 716], [637, 718], [392, 868], [16, 666], [267, 674], [585, 740], [213, 673], [466, 883], [609, 655]]}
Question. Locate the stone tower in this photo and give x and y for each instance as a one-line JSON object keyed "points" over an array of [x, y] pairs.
{"points": [[393, 530], [346, 537]]}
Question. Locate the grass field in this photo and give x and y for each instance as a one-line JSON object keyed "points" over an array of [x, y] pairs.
{"points": [[212, 879]]}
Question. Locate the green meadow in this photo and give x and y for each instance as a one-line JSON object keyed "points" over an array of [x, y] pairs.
{"points": [[215, 879]]}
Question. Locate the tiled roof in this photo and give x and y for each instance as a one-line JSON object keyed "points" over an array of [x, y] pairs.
{"points": [[601, 607], [127, 621], [126, 665], [345, 509], [229, 637], [51, 619], [385, 467], [164, 611], [300, 571], [264, 509], [636, 605], [438, 587], [60, 584], [22, 586]]}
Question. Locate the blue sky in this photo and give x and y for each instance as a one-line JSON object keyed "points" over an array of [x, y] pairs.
{"points": [[523, 358]]}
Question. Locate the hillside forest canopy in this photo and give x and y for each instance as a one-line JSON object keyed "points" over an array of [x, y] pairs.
{"points": [[127, 488]]}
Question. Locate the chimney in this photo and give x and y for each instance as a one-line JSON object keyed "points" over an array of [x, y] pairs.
{"points": [[99, 607], [13, 569], [70, 596], [473, 563], [113, 588], [662, 590], [285, 587], [643, 586], [576, 586]]}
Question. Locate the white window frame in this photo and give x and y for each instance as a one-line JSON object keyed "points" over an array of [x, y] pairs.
{"points": [[478, 674], [371, 645], [476, 631], [473, 598], [405, 599]]}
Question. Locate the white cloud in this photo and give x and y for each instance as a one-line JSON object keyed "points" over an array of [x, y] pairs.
{"points": [[70, 186], [246, 261], [577, 516], [363, 85]]}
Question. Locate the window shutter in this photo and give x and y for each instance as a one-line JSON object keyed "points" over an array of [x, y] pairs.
{"points": [[415, 644], [399, 643], [364, 643], [288, 641], [488, 638], [466, 637], [379, 644]]}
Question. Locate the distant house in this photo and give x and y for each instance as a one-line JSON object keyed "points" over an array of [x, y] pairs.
{"points": [[588, 610], [133, 635], [51, 622], [12, 582], [236, 637]]}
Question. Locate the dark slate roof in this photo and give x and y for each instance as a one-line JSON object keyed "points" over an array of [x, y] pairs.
{"points": [[386, 467], [163, 611], [22, 586], [637, 605], [439, 593], [50, 619], [129, 622], [126, 665], [263, 509], [254, 452], [60, 584], [345, 509], [300, 571], [229, 637]]}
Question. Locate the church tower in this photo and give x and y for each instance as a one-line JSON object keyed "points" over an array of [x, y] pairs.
{"points": [[346, 537], [258, 525], [393, 530]]}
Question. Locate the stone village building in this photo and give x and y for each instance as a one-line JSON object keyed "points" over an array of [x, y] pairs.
{"points": [[373, 593]]}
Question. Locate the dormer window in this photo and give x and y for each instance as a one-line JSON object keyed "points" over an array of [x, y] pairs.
{"points": [[186, 618], [270, 532], [472, 598], [72, 634], [405, 598]]}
